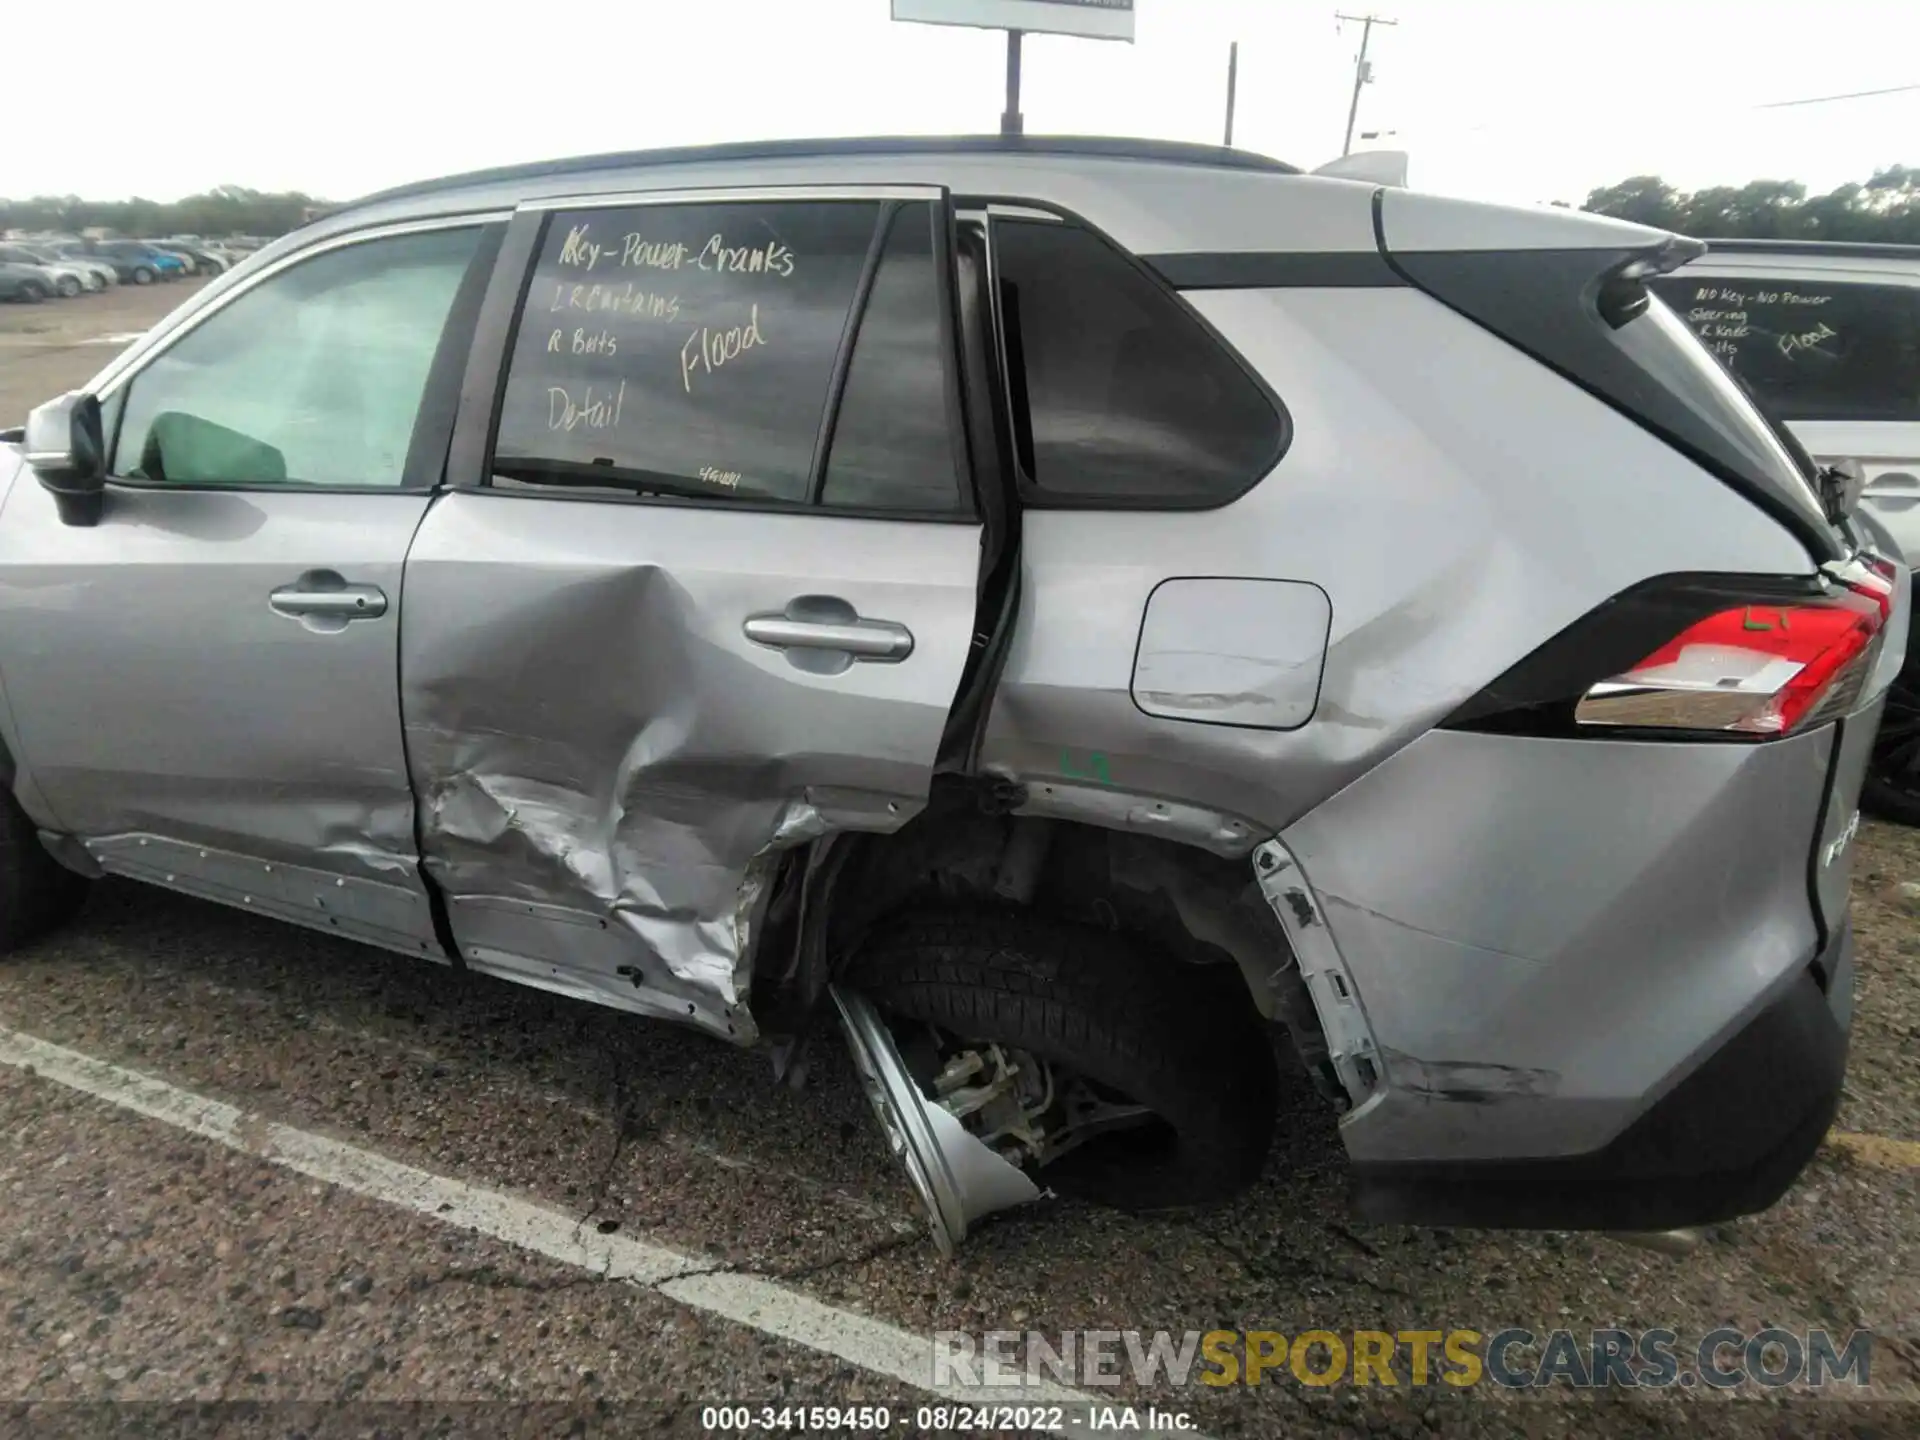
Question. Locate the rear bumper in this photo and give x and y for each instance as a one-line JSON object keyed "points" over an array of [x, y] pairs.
{"points": [[1727, 1140]]}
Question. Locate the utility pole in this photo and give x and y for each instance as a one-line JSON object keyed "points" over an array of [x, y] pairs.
{"points": [[1233, 68], [1362, 72]]}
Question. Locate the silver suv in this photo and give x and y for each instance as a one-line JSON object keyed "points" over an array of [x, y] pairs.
{"points": [[1125, 626]]}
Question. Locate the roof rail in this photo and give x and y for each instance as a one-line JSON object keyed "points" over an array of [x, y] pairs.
{"points": [[1863, 249], [1171, 152]]}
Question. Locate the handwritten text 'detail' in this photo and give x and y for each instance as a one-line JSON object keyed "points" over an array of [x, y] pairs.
{"points": [[589, 411]]}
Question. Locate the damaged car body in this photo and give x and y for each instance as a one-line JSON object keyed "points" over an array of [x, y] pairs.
{"points": [[1106, 624]]}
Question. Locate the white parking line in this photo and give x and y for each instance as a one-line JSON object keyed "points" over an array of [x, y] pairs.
{"points": [[750, 1300]]}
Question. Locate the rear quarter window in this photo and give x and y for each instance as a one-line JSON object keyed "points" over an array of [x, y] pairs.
{"points": [[1121, 397], [1828, 350]]}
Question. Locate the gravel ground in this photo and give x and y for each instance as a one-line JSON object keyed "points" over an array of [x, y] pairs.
{"points": [[61, 344], [139, 1264]]}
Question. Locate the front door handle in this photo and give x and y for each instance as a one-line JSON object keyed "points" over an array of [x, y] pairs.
{"points": [[321, 600], [825, 635]]}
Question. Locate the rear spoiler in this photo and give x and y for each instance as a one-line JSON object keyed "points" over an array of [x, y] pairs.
{"points": [[1381, 167]]}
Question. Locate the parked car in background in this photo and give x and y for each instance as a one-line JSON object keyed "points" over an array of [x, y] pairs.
{"points": [[99, 274], [1000, 595], [136, 262], [30, 283], [67, 279], [188, 264], [206, 260], [1827, 335], [174, 261]]}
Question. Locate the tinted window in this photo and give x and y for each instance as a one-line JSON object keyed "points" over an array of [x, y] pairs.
{"points": [[684, 349], [311, 377], [1814, 351], [892, 444], [1127, 397]]}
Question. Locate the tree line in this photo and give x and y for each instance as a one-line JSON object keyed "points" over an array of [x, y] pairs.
{"points": [[1885, 208], [226, 210]]}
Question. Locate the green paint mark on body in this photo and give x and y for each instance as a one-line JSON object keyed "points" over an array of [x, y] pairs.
{"points": [[1095, 767]]}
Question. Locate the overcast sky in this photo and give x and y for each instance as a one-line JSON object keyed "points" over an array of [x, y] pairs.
{"points": [[1517, 100]]}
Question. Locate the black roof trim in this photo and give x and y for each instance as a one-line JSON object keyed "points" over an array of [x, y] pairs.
{"points": [[1864, 249], [1104, 147], [1258, 270]]}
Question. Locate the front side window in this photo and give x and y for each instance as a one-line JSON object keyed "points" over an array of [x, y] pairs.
{"points": [[312, 377], [682, 349], [1120, 396], [1828, 350]]}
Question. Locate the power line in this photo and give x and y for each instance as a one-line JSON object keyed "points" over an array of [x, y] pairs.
{"points": [[1826, 99]]}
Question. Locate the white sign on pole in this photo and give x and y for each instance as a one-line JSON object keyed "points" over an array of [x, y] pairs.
{"points": [[1095, 19]]}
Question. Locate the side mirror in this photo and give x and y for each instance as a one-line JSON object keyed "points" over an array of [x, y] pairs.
{"points": [[67, 452]]}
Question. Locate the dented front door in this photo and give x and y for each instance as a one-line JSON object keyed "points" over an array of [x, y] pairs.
{"points": [[684, 624]]}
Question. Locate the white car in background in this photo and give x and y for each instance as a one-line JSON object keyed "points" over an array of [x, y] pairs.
{"points": [[1827, 335]]}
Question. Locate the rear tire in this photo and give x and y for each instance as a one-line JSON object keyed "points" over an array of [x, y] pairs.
{"points": [[33, 292], [142, 275], [37, 892], [1182, 1040]]}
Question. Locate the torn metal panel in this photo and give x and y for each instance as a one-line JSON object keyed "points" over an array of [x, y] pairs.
{"points": [[1351, 1047], [608, 763], [1095, 801], [957, 1177]]}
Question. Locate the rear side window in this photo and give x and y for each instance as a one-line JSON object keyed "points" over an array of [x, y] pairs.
{"points": [[1120, 395], [693, 350], [1812, 351]]}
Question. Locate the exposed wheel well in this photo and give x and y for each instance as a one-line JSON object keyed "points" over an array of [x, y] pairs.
{"points": [[1186, 905]]}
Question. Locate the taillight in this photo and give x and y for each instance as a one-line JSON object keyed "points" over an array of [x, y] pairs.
{"points": [[1719, 657]]}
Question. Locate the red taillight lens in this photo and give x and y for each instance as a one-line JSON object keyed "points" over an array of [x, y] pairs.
{"points": [[1761, 670]]}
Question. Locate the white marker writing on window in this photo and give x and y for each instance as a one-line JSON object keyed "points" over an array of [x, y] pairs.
{"points": [[708, 349]]}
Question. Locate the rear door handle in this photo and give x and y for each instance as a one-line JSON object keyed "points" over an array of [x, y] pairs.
{"points": [[825, 635], [863, 639], [321, 600]]}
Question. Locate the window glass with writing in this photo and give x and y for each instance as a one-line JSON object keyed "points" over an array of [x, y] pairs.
{"points": [[1128, 399], [1814, 350], [681, 349], [892, 441]]}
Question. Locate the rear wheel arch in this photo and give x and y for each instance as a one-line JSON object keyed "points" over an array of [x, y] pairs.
{"points": [[1179, 904]]}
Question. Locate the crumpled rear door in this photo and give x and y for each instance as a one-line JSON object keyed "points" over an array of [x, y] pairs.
{"points": [[685, 624]]}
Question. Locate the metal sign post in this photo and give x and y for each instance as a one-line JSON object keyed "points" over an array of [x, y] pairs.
{"points": [[1233, 74], [1010, 119], [1090, 19]]}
